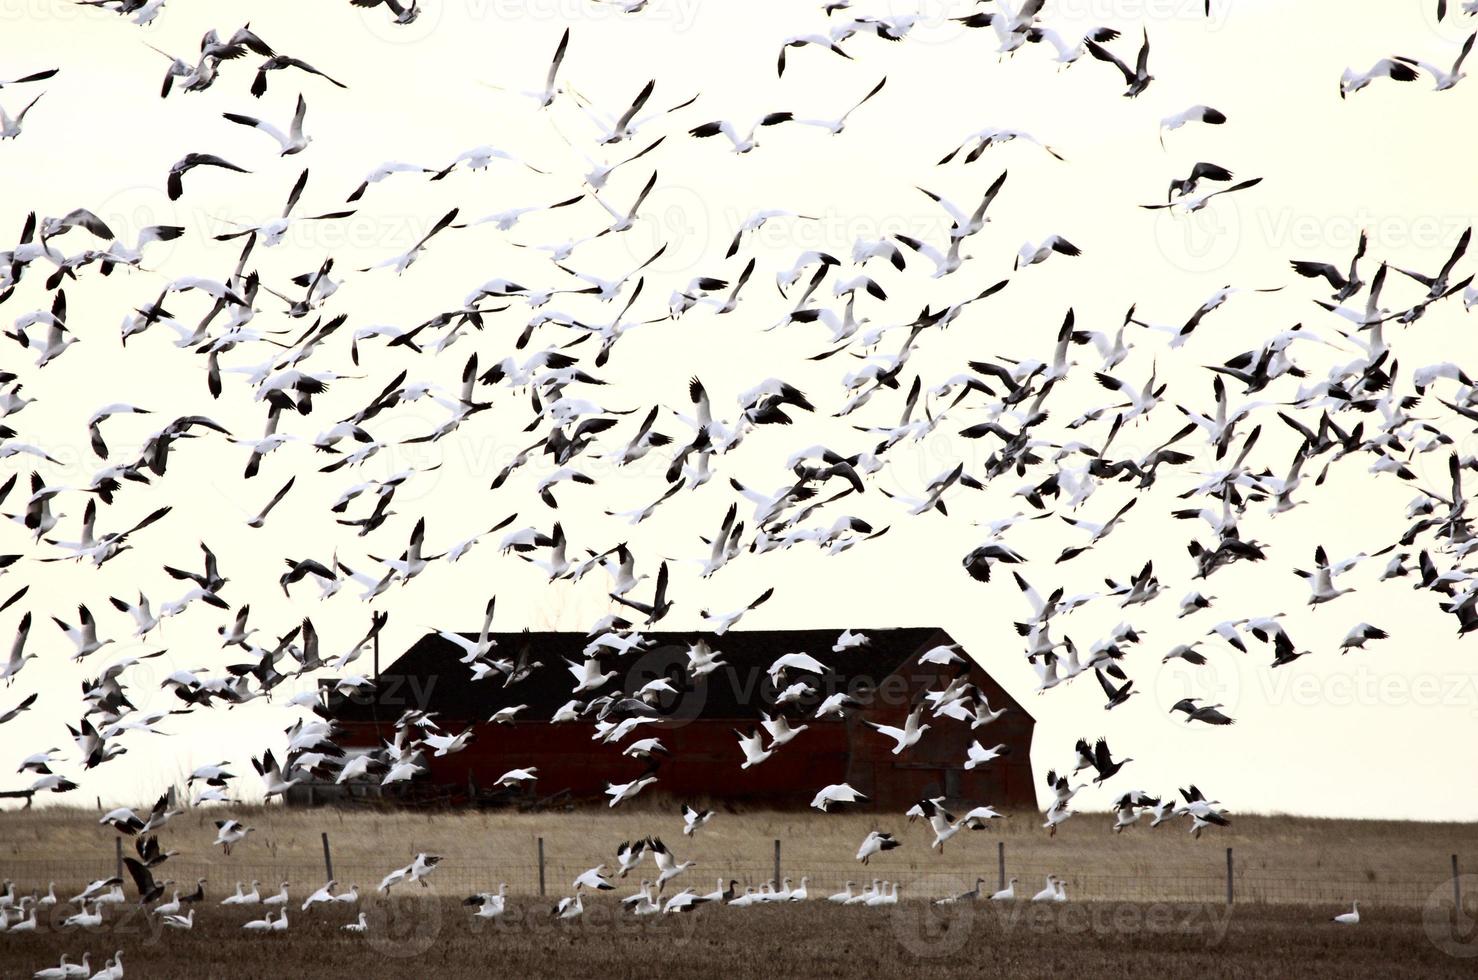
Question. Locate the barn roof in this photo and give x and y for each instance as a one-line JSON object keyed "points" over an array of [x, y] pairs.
{"points": [[430, 676]]}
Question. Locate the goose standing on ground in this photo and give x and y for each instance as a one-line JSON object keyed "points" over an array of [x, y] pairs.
{"points": [[968, 896], [1350, 918], [1007, 894], [1049, 893]]}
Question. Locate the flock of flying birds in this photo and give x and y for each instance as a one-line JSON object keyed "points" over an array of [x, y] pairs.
{"points": [[283, 344]]}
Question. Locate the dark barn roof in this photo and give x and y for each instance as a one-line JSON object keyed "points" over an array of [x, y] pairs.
{"points": [[430, 676], [698, 723]]}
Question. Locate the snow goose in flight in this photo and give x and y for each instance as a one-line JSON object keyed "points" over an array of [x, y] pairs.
{"points": [[279, 62], [753, 749], [39, 76], [944, 262], [1068, 54], [746, 142], [942, 822], [1445, 79], [595, 879], [979, 755], [479, 158], [1351, 81], [11, 128], [400, 13], [1034, 254], [324, 896], [1183, 187], [626, 125], [1192, 204], [545, 96], [272, 232], [1350, 918], [1136, 80], [621, 792], [293, 141], [720, 623], [383, 172], [834, 794], [835, 126], [694, 818], [407, 258], [1441, 285], [803, 40], [965, 223], [175, 184], [1359, 634], [875, 843], [667, 863], [1206, 713], [1195, 114], [1103, 761], [489, 905], [908, 736], [1321, 579]]}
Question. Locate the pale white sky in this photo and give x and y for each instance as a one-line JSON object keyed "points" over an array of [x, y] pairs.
{"points": [[1385, 732]]}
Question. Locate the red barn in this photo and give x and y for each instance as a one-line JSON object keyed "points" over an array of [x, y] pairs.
{"points": [[697, 721]]}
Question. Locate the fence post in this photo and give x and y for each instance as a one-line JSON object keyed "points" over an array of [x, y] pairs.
{"points": [[328, 859], [118, 856], [1457, 889], [1000, 865], [777, 862], [541, 867], [1229, 876]]}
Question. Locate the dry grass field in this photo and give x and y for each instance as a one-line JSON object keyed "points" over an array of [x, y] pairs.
{"points": [[430, 938], [1140, 898]]}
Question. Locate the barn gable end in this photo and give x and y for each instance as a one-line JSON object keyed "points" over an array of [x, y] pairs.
{"points": [[698, 724]]}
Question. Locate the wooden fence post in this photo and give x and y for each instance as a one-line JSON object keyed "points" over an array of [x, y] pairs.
{"points": [[541, 867], [1457, 889], [1000, 865], [777, 862], [1229, 876], [328, 859], [118, 856]]}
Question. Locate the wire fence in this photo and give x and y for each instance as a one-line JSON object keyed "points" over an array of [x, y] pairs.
{"points": [[555, 878]]}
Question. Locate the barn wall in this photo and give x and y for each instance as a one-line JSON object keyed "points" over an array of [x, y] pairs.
{"points": [[706, 757]]}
